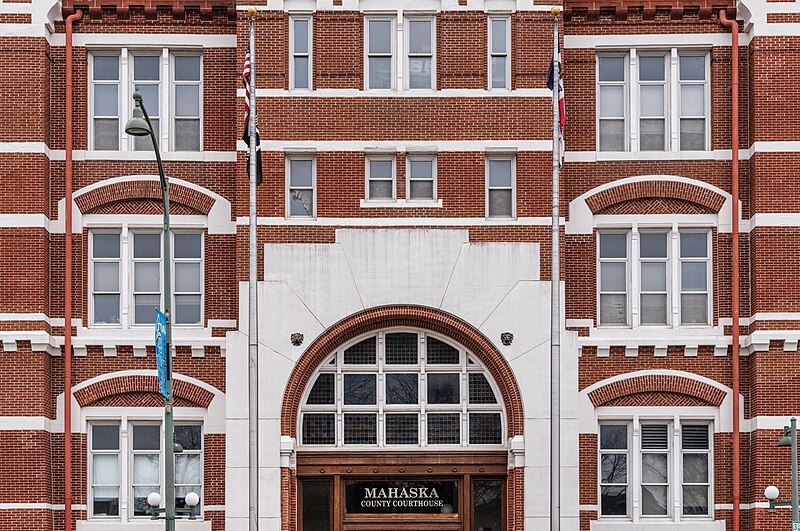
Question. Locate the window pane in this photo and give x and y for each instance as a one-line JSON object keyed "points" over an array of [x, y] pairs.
{"points": [[360, 428], [402, 348], [695, 468], [106, 501], [440, 352], [187, 68], [106, 134], [694, 437], [613, 277], [316, 505], [146, 437], [145, 143], [190, 437], [140, 506], [105, 245], [187, 309], [444, 428], [106, 309], [144, 309], [611, 102], [105, 469], [421, 190], [693, 100], [693, 245], [380, 36], [499, 71], [419, 38], [419, 72], [613, 437], [651, 68], [614, 468], [402, 389], [145, 469], [498, 36], [359, 389], [301, 173], [301, 203], [695, 500], [106, 100], [362, 353], [652, 100], [323, 391], [319, 428], [402, 429], [654, 276], [693, 67], [488, 505], [693, 134], [653, 245], [188, 469], [380, 72], [499, 173], [187, 245], [187, 277], [380, 169], [106, 276], [146, 276], [694, 309], [187, 100], [147, 245], [485, 428], [693, 276], [421, 169], [105, 437], [611, 68], [180, 496], [145, 68], [653, 310], [443, 388], [613, 245], [613, 309], [654, 468], [612, 135], [655, 436], [150, 97], [301, 72], [380, 189], [651, 135], [106, 68], [613, 501], [300, 35], [500, 203], [480, 391], [654, 500]]}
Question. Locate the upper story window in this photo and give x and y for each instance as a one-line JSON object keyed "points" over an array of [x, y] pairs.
{"points": [[401, 388], [645, 464], [300, 186], [652, 277], [300, 46], [171, 87], [501, 187], [380, 178], [499, 53], [380, 51], [125, 277], [653, 101], [421, 46], [421, 177]]}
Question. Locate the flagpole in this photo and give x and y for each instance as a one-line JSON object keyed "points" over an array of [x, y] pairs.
{"points": [[555, 307], [253, 295]]}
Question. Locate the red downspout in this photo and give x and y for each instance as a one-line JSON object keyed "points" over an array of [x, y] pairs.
{"points": [[734, 26], [68, 284]]}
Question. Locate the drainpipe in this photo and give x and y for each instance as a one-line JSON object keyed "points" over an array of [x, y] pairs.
{"points": [[734, 26], [68, 283]]}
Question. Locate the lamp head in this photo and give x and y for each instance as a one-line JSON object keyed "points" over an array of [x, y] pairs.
{"points": [[771, 492], [786, 440], [154, 499], [192, 499], [137, 125]]}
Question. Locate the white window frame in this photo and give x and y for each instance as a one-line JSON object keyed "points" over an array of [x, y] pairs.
{"points": [[367, 54], [121, 90], [121, 488], [669, 452], [172, 91], [491, 53], [513, 159], [132, 276], [130, 458], [288, 181], [667, 260], [173, 276], [293, 54], [674, 285], [628, 270], [392, 159], [672, 85], [667, 90], [120, 266], [628, 468], [710, 452], [134, 84], [408, 55], [412, 157]]}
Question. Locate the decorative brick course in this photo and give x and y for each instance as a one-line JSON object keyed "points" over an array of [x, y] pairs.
{"points": [[662, 383], [656, 189], [140, 384], [135, 190]]}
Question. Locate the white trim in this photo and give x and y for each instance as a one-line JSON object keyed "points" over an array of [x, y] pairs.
{"points": [[45, 506], [310, 52], [506, 90], [602, 156], [405, 29], [398, 222], [210, 508], [167, 40], [391, 158], [24, 147], [288, 180], [434, 200], [388, 5], [394, 81], [20, 423], [627, 40], [453, 146], [400, 203], [761, 316], [222, 323], [415, 93]]}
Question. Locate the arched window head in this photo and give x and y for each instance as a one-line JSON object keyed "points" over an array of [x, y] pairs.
{"points": [[402, 388]]}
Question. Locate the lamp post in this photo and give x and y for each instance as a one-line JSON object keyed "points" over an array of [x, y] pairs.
{"points": [[139, 125], [771, 493]]}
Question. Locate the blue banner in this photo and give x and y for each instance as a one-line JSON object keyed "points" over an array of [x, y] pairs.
{"points": [[161, 351]]}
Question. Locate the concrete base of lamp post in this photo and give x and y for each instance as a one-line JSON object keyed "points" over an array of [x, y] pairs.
{"points": [[144, 525]]}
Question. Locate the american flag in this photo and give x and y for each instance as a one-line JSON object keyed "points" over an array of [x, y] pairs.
{"points": [[246, 134], [562, 112]]}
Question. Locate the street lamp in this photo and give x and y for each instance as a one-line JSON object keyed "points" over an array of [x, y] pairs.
{"points": [[771, 493], [139, 125], [154, 500]]}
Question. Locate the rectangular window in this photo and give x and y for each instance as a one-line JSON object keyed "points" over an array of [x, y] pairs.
{"points": [[655, 469], [188, 277], [147, 79], [613, 253], [421, 171], [105, 102], [611, 103], [104, 460], [653, 274], [500, 185], [380, 178], [300, 53], [652, 102], [614, 476], [693, 88], [146, 465], [300, 187], [421, 47], [499, 53], [187, 95], [380, 53], [189, 462], [146, 276], [696, 465], [694, 265], [105, 278]]}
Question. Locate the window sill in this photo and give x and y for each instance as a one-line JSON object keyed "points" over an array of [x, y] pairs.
{"points": [[661, 525], [400, 203], [191, 156], [141, 525], [601, 156]]}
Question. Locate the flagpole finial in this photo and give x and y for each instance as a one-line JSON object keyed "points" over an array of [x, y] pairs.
{"points": [[555, 11], [252, 11]]}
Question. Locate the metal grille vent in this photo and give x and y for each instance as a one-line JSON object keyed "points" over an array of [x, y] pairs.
{"points": [[694, 437], [362, 353], [654, 437]]}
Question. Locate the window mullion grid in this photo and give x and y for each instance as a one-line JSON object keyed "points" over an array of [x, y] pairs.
{"points": [[423, 395], [136, 293], [619, 118], [621, 260], [187, 118], [662, 117], [95, 486], [301, 55], [605, 484], [121, 106], [132, 472], [153, 114], [698, 260], [199, 489], [411, 55], [92, 278], [707, 484], [643, 292], [504, 55]]}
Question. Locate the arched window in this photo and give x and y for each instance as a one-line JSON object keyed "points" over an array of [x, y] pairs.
{"points": [[401, 388]]}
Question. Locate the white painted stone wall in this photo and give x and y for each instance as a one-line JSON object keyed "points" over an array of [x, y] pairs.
{"points": [[308, 287]]}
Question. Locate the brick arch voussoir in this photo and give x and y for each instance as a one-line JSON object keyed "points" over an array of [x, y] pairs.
{"points": [[409, 316], [657, 383], [141, 383], [137, 190], [682, 191]]}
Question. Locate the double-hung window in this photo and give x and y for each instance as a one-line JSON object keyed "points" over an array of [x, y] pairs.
{"points": [[696, 469], [499, 53], [653, 274], [300, 52], [380, 49], [147, 80], [380, 178], [695, 271], [421, 171], [104, 459], [106, 281], [187, 94], [146, 276], [613, 278], [105, 101], [146, 465], [421, 46], [500, 187], [650, 100], [300, 186], [655, 453]]}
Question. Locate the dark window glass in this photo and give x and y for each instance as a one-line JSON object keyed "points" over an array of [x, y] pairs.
{"points": [[444, 428], [316, 505], [402, 428], [443, 388], [614, 468], [440, 353], [146, 437], [402, 389], [362, 353], [402, 348], [359, 389], [655, 437], [613, 437], [360, 428], [189, 437], [488, 505], [613, 501], [324, 390], [480, 392], [485, 428], [105, 437], [319, 428], [695, 437]]}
